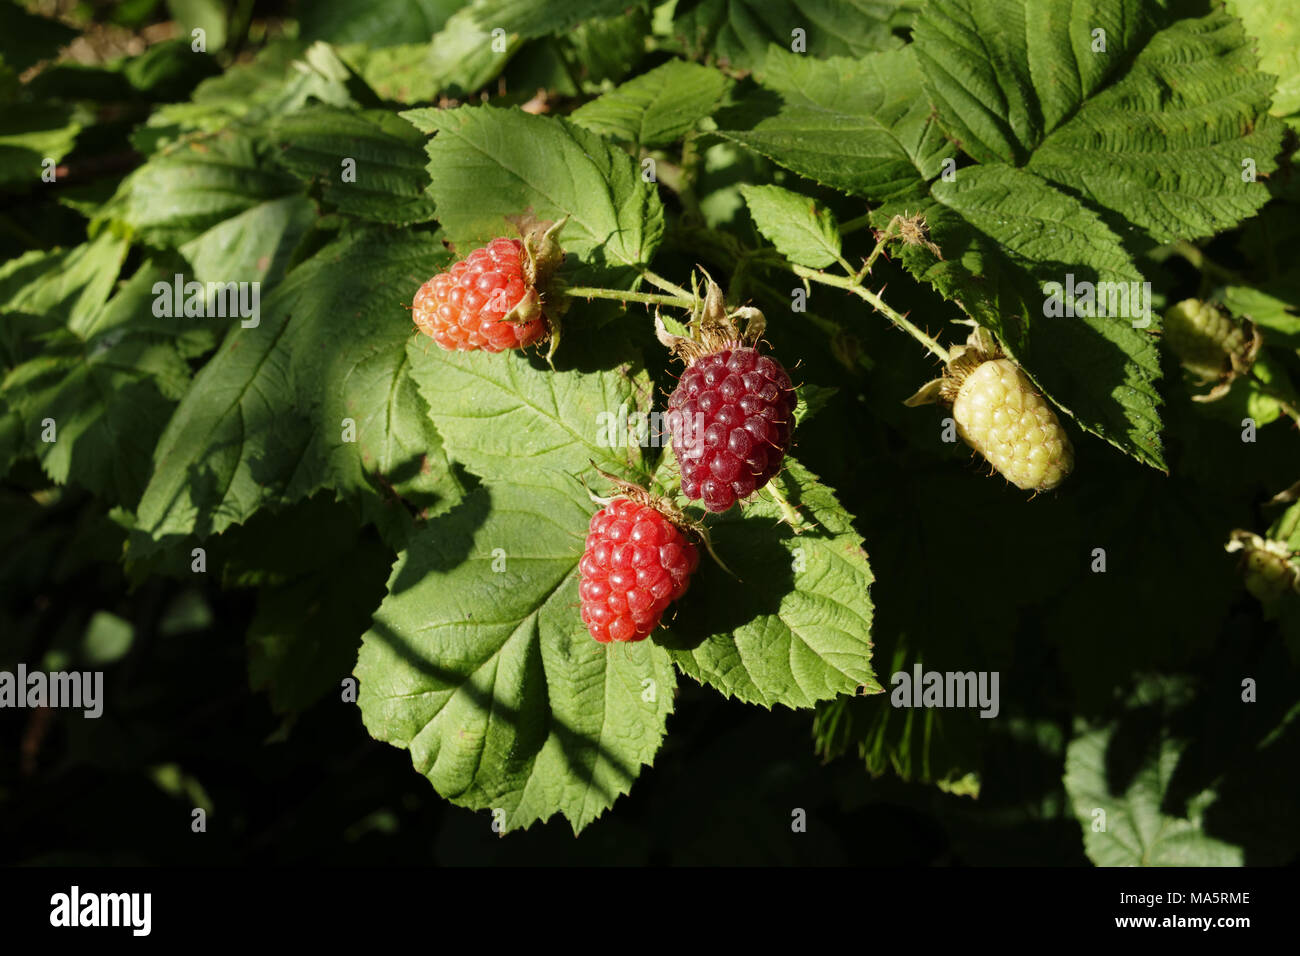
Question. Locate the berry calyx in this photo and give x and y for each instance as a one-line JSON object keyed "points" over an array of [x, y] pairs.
{"points": [[1269, 567], [731, 416], [999, 414], [635, 563], [496, 298]]}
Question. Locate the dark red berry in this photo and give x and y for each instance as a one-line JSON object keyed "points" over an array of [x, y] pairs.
{"points": [[635, 563], [731, 418], [466, 307]]}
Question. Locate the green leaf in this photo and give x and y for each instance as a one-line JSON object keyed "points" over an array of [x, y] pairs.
{"points": [[202, 181], [861, 126], [1194, 185], [739, 32], [272, 84], [63, 283], [535, 18], [507, 417], [460, 59], [801, 232], [926, 745], [264, 421], [251, 246], [656, 108], [488, 163], [1154, 129], [376, 23], [303, 640], [479, 664], [1140, 830], [386, 176], [609, 49], [1274, 307], [31, 133], [1276, 31], [206, 15], [108, 382], [169, 70], [793, 629], [1005, 234]]}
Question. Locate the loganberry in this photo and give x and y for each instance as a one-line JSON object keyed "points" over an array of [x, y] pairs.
{"points": [[731, 417], [635, 563]]}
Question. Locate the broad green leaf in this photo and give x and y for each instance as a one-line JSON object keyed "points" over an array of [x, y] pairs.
{"points": [[739, 32], [200, 182], [479, 664], [506, 417], [64, 283], [385, 176], [373, 437], [800, 231], [609, 49], [169, 70], [458, 60], [31, 133], [206, 15], [535, 18], [272, 84], [656, 108], [488, 163], [303, 640], [251, 246], [1153, 128], [107, 383], [1139, 829], [265, 421], [793, 628], [1276, 30], [1005, 233], [926, 745], [1005, 74], [862, 126], [1173, 166], [376, 23]]}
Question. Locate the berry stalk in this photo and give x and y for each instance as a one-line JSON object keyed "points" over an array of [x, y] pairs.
{"points": [[855, 286]]}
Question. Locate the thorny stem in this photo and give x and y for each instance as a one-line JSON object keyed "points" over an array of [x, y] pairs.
{"points": [[622, 295], [789, 513], [854, 285], [876, 252], [657, 280]]}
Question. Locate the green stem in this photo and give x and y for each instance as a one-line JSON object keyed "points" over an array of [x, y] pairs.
{"points": [[1197, 257], [1283, 402], [886, 237], [877, 303], [789, 513], [624, 296], [657, 280]]}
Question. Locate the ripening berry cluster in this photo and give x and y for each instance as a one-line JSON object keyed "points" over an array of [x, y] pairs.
{"points": [[731, 418], [465, 308], [635, 563], [1001, 416]]}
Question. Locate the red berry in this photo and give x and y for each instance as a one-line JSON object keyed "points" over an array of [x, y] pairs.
{"points": [[465, 308], [731, 418], [635, 563]]}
